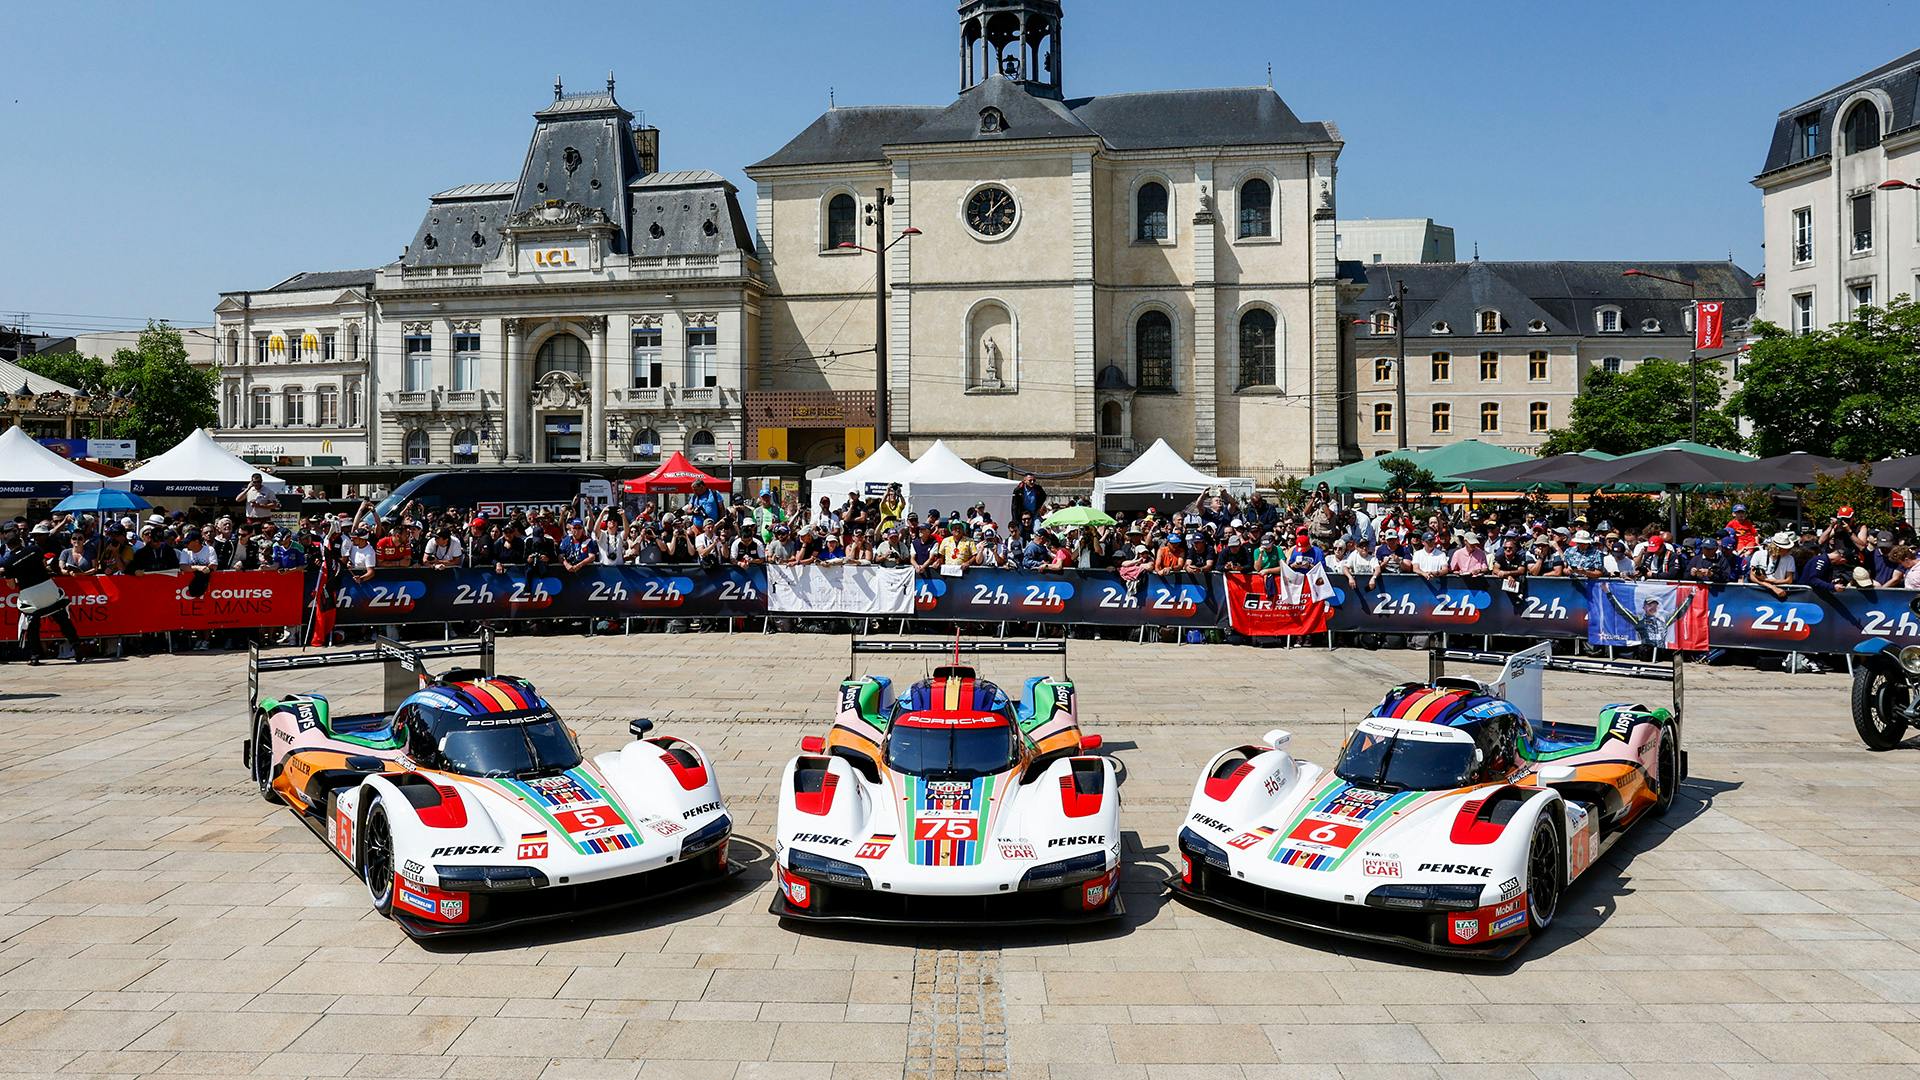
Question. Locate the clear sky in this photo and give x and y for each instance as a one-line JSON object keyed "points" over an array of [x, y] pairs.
{"points": [[157, 154]]}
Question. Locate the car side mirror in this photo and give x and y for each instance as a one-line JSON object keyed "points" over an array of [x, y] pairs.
{"points": [[1277, 738], [814, 744], [1556, 774], [639, 728], [1089, 743]]}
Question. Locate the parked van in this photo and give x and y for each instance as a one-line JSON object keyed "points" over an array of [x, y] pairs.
{"points": [[497, 492]]}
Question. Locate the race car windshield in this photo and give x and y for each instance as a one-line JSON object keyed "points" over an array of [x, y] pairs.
{"points": [[503, 744], [1393, 761], [952, 752]]}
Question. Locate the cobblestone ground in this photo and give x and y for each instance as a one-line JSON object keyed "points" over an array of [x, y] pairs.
{"points": [[157, 918]]}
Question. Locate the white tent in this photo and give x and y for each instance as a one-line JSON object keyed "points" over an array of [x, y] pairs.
{"points": [[940, 479], [1163, 472], [870, 478], [31, 471], [198, 466]]}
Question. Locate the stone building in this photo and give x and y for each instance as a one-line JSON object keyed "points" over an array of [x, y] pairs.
{"points": [[1840, 199], [1497, 351], [295, 359], [1069, 277]]}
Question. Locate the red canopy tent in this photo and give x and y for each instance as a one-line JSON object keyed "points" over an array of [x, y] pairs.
{"points": [[676, 475]]}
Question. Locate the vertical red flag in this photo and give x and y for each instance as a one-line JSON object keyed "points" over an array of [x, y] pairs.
{"points": [[1708, 331]]}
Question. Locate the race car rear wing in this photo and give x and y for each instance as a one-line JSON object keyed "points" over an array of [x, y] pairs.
{"points": [[891, 645], [406, 665], [1520, 676]]}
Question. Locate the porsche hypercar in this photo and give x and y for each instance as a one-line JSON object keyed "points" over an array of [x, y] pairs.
{"points": [[1453, 821], [951, 803], [469, 806]]}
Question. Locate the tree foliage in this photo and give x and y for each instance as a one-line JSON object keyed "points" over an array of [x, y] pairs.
{"points": [[1853, 488], [1845, 391], [1642, 407], [170, 396], [1407, 479]]}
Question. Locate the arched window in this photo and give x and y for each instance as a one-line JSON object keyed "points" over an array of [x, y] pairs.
{"points": [[1442, 418], [1150, 212], [842, 221], [1258, 337], [701, 442], [1383, 369], [466, 447], [646, 443], [416, 449], [1256, 208], [1489, 417], [1383, 322], [1861, 129], [1110, 420], [562, 352], [1153, 351], [1537, 417], [1382, 418], [1607, 320]]}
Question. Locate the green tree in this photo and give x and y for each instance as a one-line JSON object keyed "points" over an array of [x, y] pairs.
{"points": [[170, 396], [1645, 406], [77, 370], [1407, 479], [1853, 488], [1845, 391]]}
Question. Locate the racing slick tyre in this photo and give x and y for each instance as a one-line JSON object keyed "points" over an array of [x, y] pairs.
{"points": [[1876, 710], [260, 754], [1669, 770], [376, 858], [1544, 874]]}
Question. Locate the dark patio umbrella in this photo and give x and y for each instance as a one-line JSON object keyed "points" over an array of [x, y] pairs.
{"points": [[1897, 473], [1799, 466], [1672, 469]]}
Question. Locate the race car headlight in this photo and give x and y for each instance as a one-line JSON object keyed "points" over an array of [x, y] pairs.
{"points": [[706, 836], [830, 871], [1057, 875], [1425, 897], [1203, 849], [483, 878], [1910, 659]]}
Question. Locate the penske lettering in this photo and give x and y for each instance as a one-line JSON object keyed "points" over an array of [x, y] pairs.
{"points": [[703, 808], [466, 849], [820, 838], [1454, 868], [1076, 841]]}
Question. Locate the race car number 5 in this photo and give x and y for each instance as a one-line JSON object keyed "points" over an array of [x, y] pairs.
{"points": [[592, 817], [944, 829]]}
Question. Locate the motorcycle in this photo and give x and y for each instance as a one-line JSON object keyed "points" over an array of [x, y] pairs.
{"points": [[1886, 690]]}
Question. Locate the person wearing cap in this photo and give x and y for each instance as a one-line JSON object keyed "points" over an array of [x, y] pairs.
{"points": [[1773, 566], [765, 514], [1740, 535], [1660, 561], [1393, 552], [958, 548], [1304, 555], [1171, 557], [1236, 555], [39, 597], [444, 551], [578, 550], [1429, 560], [1709, 564], [1470, 561], [1583, 559]]}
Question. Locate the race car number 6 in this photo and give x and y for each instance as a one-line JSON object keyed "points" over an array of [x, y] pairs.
{"points": [[1325, 834]]}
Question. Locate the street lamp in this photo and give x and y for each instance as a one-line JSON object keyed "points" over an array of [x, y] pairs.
{"points": [[877, 217], [1693, 352]]}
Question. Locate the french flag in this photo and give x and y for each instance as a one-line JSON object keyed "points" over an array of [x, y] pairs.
{"points": [[1668, 614]]}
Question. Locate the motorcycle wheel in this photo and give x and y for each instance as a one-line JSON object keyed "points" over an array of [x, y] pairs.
{"points": [[1877, 707]]}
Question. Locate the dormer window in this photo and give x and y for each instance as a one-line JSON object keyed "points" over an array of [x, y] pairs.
{"points": [[1441, 327], [1537, 326], [992, 121], [1383, 322], [1607, 320], [1649, 326], [1489, 322]]}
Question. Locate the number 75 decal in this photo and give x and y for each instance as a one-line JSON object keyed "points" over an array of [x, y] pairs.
{"points": [[945, 829]]}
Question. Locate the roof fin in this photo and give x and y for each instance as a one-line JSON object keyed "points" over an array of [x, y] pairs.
{"points": [[557, 89]]}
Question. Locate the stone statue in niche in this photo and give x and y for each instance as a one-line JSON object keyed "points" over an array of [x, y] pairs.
{"points": [[1206, 199], [990, 363]]}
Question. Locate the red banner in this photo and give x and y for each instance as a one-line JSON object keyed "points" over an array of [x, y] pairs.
{"points": [[153, 603], [1708, 324], [1274, 605]]}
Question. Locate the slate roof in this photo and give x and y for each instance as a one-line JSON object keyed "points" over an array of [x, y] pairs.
{"points": [[479, 191], [325, 279], [1159, 119], [1899, 79], [1564, 295], [686, 213]]}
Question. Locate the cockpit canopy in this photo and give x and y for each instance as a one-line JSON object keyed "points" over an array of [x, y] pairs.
{"points": [[492, 727], [953, 726], [1425, 739]]}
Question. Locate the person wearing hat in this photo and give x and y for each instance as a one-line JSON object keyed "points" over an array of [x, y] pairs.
{"points": [[1583, 559], [1470, 561], [1305, 554], [1429, 560], [578, 550], [445, 550], [1236, 555], [765, 514], [1172, 555], [1773, 566], [1546, 558], [957, 548], [1393, 552], [1660, 561], [1740, 535]]}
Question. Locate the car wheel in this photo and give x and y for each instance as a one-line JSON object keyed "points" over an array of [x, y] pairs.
{"points": [[1875, 707], [1543, 875], [376, 858], [263, 770], [1669, 770]]}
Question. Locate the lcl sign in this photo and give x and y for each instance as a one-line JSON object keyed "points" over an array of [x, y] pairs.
{"points": [[553, 258]]}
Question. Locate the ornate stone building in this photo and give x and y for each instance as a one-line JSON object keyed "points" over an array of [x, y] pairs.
{"points": [[295, 360], [1077, 277]]}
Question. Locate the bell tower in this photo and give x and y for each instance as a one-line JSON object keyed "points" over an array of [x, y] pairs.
{"points": [[1019, 39]]}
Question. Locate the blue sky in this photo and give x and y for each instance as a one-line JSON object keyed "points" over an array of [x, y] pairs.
{"points": [[157, 154]]}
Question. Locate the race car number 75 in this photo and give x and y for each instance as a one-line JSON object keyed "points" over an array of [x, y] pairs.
{"points": [[944, 829]]}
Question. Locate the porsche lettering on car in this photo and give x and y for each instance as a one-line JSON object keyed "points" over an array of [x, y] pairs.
{"points": [[950, 803], [1453, 821], [466, 804]]}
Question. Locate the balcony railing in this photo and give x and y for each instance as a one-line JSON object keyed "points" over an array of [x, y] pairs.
{"points": [[700, 397], [410, 399], [1114, 444]]}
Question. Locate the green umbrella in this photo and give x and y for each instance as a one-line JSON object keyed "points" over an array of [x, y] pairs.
{"points": [[1073, 517]]}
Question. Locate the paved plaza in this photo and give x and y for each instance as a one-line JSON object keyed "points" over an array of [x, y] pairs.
{"points": [[156, 918]]}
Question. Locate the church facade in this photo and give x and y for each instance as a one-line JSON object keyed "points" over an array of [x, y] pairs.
{"points": [[1068, 278]]}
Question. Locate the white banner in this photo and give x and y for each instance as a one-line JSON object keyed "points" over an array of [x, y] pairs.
{"points": [[841, 590]]}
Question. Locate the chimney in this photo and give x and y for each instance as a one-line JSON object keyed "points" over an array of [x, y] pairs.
{"points": [[646, 144]]}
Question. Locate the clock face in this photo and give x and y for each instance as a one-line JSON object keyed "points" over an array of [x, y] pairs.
{"points": [[990, 211]]}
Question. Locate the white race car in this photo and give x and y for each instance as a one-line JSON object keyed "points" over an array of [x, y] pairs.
{"points": [[950, 804], [467, 805], [1452, 823]]}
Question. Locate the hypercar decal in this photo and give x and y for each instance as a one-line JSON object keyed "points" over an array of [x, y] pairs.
{"points": [[1334, 822], [578, 805], [945, 819]]}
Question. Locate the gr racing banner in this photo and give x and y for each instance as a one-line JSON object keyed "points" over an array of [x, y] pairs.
{"points": [[1669, 614], [1285, 602], [845, 590], [125, 604]]}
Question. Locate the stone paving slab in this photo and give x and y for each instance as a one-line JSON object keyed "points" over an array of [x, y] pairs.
{"points": [[156, 919]]}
